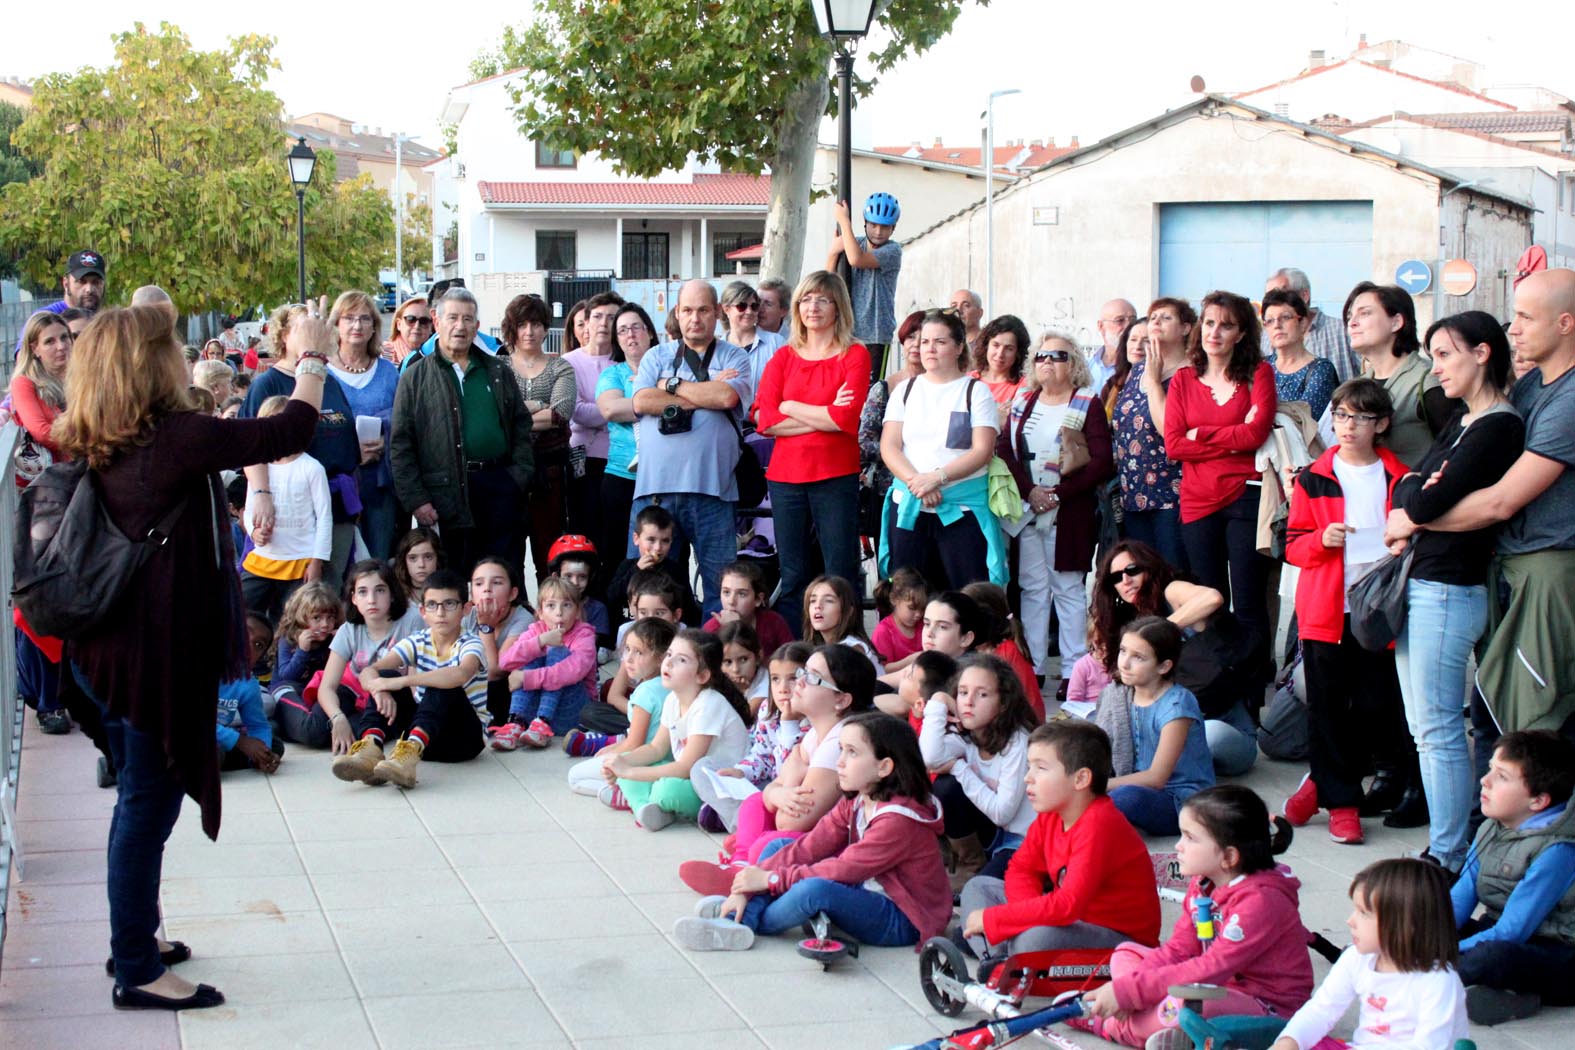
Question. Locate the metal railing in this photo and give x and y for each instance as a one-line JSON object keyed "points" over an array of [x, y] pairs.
{"points": [[11, 709]]}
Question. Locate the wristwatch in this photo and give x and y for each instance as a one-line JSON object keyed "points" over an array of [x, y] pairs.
{"points": [[672, 386], [483, 628], [774, 880]]}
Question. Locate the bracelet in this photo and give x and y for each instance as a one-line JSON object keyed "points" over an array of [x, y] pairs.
{"points": [[945, 478], [309, 368], [262, 492], [317, 355], [338, 714]]}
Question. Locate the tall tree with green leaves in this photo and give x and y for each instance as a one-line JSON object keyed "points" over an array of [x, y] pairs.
{"points": [[170, 162], [649, 84], [13, 168]]}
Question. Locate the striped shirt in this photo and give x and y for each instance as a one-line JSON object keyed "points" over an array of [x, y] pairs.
{"points": [[418, 651]]}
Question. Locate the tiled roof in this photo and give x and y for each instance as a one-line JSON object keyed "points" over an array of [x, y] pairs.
{"points": [[972, 156], [375, 147], [705, 190], [1304, 74], [1519, 122]]}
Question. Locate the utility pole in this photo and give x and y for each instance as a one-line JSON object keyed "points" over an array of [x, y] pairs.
{"points": [[399, 216]]}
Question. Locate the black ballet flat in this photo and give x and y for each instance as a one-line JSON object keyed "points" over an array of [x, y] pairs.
{"points": [[177, 953], [133, 999]]}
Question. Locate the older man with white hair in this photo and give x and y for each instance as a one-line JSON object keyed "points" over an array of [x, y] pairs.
{"points": [[1326, 336]]}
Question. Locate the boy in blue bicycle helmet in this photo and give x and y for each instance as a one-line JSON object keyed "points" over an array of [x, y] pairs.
{"points": [[874, 260]]}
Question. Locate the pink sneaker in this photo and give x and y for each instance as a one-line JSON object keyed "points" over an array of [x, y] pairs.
{"points": [[506, 737], [537, 735], [611, 796]]}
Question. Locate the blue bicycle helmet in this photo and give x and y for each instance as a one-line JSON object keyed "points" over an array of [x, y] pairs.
{"points": [[882, 209]]}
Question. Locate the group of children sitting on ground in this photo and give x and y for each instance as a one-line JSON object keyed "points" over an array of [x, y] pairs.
{"points": [[837, 763]]}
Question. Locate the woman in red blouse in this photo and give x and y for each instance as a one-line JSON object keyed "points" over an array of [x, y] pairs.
{"points": [[38, 387], [1218, 412], [809, 400]]}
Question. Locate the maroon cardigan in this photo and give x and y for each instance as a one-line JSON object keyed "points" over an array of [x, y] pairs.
{"points": [[1078, 491]]}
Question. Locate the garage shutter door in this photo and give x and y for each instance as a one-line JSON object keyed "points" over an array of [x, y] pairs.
{"points": [[1236, 246]]}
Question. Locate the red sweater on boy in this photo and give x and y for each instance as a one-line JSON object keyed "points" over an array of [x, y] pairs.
{"points": [[898, 846], [1318, 501], [1097, 871]]}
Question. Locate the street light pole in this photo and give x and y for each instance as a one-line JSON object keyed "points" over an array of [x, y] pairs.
{"points": [[845, 144], [989, 199], [302, 159], [399, 217]]}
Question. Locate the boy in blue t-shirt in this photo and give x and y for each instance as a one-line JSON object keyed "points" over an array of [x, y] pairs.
{"points": [[439, 674], [1521, 869], [245, 738]]}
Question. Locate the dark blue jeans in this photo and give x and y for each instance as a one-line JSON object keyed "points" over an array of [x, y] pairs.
{"points": [[1151, 811], [37, 678], [147, 803], [832, 508], [559, 708], [379, 519], [866, 916], [1160, 529], [706, 522]]}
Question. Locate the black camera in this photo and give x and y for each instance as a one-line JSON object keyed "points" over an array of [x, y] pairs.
{"points": [[675, 420]]}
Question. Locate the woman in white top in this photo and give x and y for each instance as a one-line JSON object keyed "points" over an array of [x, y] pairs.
{"points": [[1056, 546], [938, 439]]}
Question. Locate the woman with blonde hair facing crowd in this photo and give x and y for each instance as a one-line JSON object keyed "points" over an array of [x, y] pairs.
{"points": [[155, 667], [368, 383], [809, 401], [1059, 477]]}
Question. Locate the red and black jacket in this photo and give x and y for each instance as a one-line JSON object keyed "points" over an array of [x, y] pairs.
{"points": [[1317, 501]]}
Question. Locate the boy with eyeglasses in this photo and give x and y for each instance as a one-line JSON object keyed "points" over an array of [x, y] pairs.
{"points": [[436, 682], [1335, 535]]}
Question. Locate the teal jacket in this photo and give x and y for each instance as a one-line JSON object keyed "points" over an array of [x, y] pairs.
{"points": [[973, 495]]}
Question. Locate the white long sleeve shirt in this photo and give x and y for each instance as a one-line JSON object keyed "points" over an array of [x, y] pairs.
{"points": [[994, 784], [1399, 1011], [303, 512]]}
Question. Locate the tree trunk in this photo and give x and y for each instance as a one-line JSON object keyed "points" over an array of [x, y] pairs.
{"points": [[791, 171]]}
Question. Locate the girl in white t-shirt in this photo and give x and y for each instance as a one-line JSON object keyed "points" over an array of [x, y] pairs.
{"points": [[374, 606], [980, 764], [937, 441], [1399, 967], [834, 616], [704, 720]]}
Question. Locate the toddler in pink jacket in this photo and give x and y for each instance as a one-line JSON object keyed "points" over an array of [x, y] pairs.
{"points": [[553, 670], [1253, 945]]}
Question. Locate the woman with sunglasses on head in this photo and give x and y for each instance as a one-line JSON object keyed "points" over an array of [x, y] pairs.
{"points": [[1219, 411], [411, 326], [1133, 581], [633, 335], [546, 385], [368, 383], [1156, 348], [1061, 487]]}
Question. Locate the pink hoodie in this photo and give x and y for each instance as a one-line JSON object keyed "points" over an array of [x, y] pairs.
{"points": [[579, 664], [898, 847], [1259, 949]]}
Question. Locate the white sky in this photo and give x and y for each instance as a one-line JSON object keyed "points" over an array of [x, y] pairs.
{"points": [[1087, 69]]}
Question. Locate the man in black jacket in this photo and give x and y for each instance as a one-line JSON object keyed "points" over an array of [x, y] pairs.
{"points": [[460, 447]]}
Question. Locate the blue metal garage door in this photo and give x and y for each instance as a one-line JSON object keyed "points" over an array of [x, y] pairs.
{"points": [[1235, 246]]}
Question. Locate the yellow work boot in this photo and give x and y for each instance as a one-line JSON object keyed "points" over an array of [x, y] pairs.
{"points": [[360, 762], [400, 767]]}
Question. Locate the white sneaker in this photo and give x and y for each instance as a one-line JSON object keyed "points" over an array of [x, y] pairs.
{"points": [[652, 817], [710, 907], [713, 935]]}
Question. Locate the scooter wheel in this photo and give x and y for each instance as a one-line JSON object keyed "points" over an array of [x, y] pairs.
{"points": [[824, 951], [941, 960]]}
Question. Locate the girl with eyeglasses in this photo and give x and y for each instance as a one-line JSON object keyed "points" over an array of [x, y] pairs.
{"points": [[1059, 478]]}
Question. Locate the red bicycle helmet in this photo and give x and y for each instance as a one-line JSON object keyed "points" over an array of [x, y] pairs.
{"points": [[572, 543]]}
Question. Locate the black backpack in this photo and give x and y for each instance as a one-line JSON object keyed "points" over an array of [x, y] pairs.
{"points": [[70, 562]]}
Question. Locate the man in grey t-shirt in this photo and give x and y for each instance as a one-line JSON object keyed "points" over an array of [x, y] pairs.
{"points": [[1526, 674], [875, 260]]}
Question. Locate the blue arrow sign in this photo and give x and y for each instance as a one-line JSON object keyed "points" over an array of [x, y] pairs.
{"points": [[1414, 275]]}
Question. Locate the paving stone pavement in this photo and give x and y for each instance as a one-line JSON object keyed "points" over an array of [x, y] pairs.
{"points": [[488, 907]]}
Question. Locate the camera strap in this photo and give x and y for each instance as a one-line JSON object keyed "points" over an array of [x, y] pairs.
{"points": [[702, 373]]}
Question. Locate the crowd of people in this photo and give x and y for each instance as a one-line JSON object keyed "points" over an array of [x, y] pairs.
{"points": [[383, 509]]}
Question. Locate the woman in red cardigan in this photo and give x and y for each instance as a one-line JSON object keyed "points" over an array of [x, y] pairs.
{"points": [[38, 385], [809, 401], [1217, 414]]}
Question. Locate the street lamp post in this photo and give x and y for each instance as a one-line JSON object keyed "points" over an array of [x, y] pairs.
{"points": [[989, 198], [844, 22], [302, 160]]}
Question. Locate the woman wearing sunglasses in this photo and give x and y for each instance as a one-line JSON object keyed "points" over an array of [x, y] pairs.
{"points": [[412, 326], [1133, 581], [1060, 482]]}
